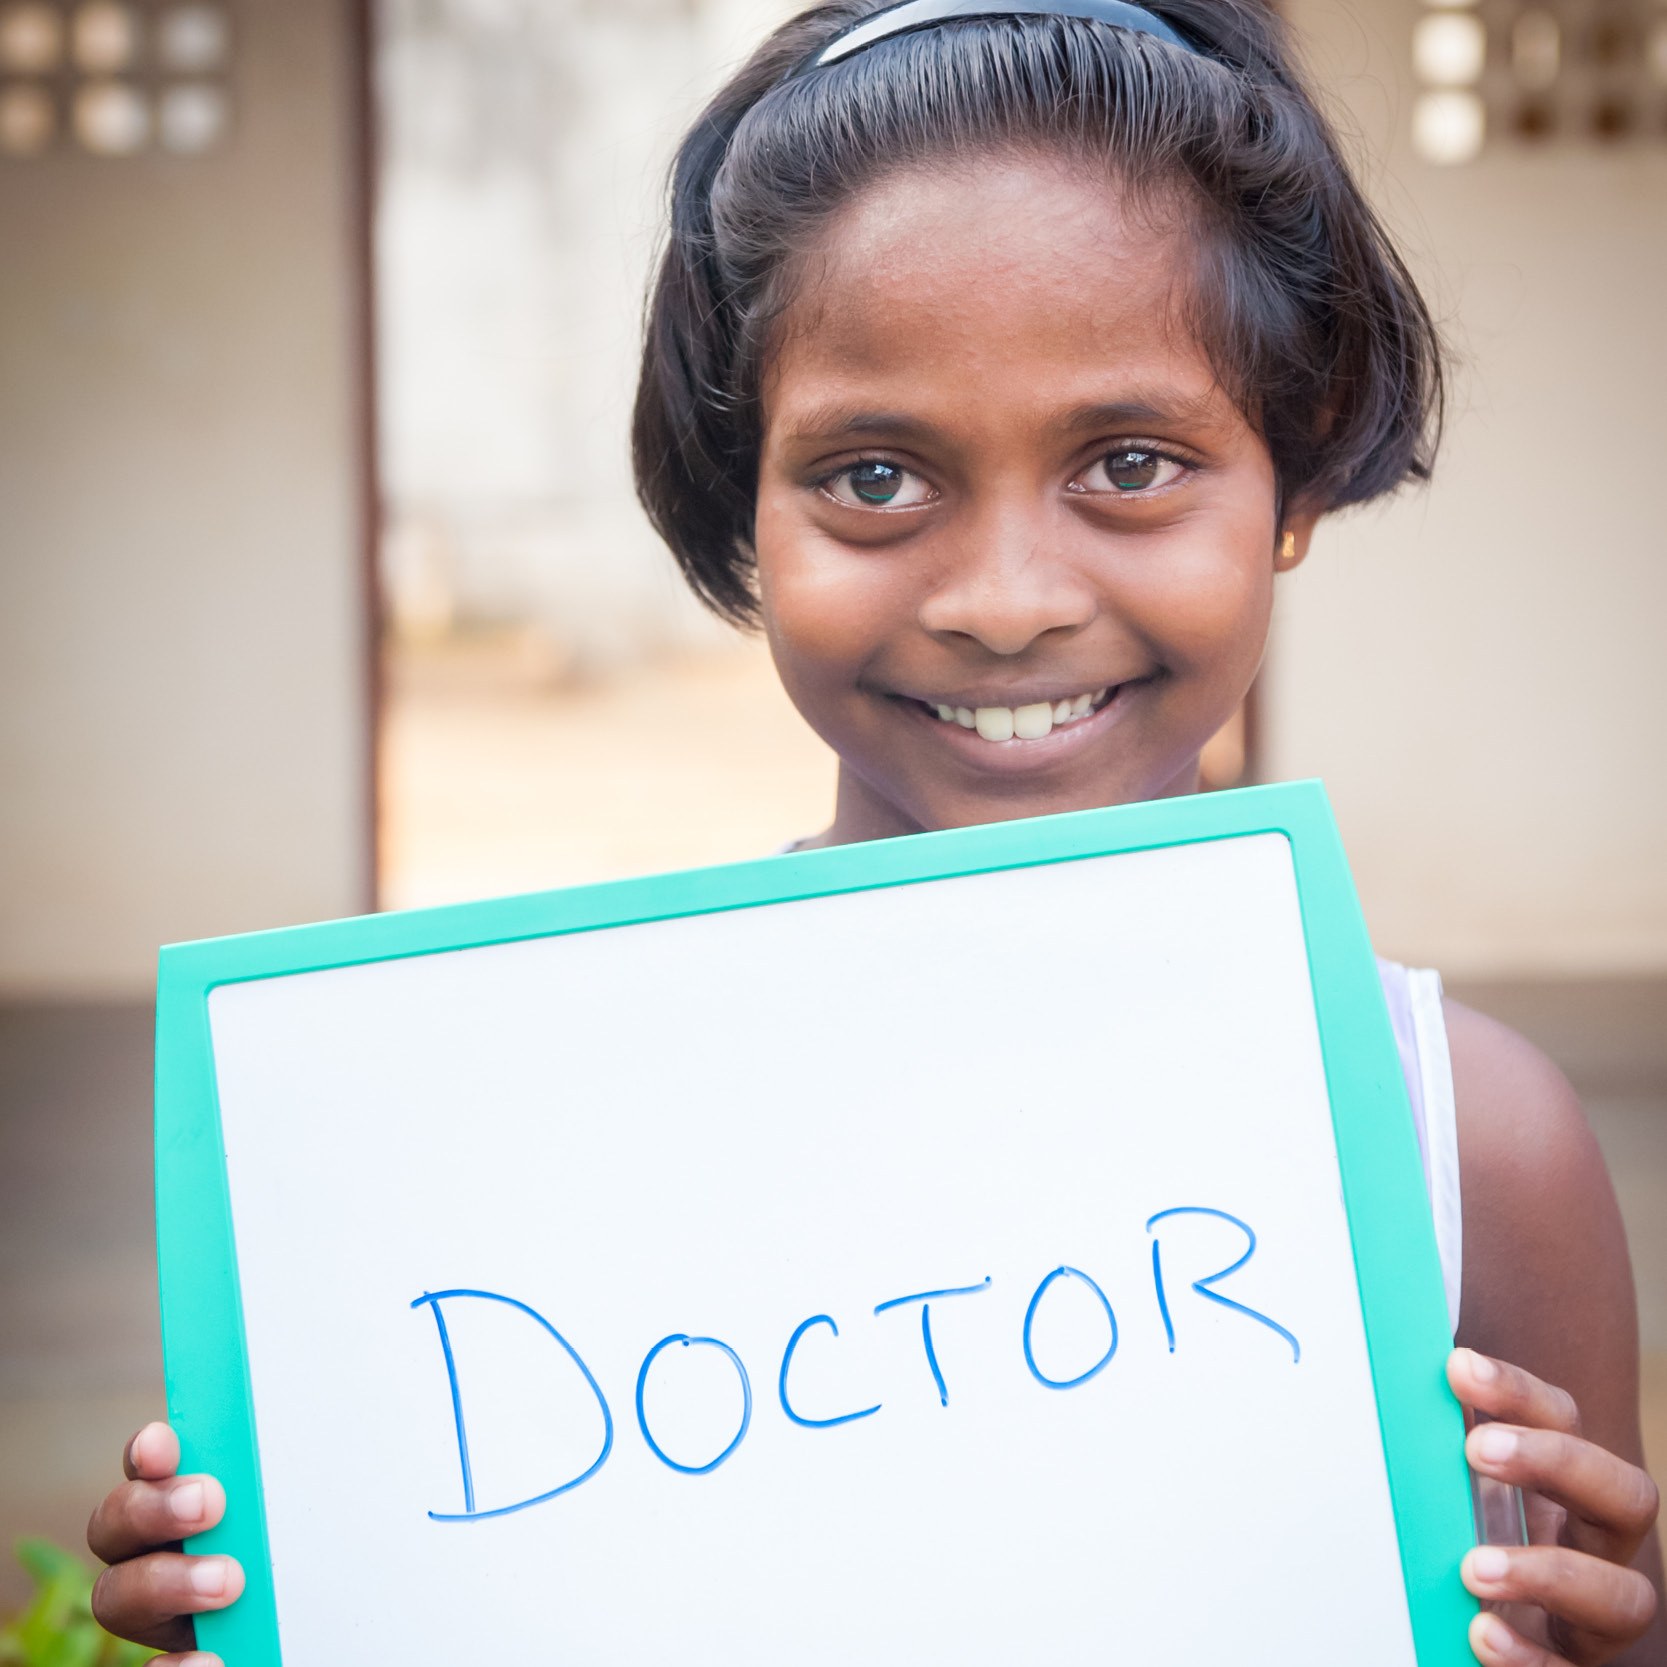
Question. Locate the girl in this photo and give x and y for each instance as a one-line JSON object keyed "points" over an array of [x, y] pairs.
{"points": [[999, 359]]}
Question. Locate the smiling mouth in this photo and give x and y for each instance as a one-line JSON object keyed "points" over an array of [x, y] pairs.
{"points": [[1031, 722]]}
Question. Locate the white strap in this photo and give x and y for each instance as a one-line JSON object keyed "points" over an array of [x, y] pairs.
{"points": [[1413, 997], [1441, 1128]]}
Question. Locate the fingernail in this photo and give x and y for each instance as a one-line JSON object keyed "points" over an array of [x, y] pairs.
{"points": [[138, 1451], [186, 1502], [1488, 1564], [1493, 1634], [1487, 1370], [208, 1576], [1494, 1444]]}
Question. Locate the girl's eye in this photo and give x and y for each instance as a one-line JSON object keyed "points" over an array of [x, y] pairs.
{"points": [[874, 485], [1132, 469]]}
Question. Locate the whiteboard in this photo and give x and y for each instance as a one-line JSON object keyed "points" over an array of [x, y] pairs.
{"points": [[952, 1271]]}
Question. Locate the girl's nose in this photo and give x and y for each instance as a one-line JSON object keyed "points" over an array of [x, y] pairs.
{"points": [[1006, 590]]}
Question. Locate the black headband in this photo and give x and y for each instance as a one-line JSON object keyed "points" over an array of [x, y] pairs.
{"points": [[925, 14]]}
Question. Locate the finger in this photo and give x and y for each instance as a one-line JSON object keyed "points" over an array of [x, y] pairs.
{"points": [[1543, 1519], [191, 1658], [1510, 1394], [141, 1516], [152, 1455], [1610, 1504], [152, 1599], [1494, 1644], [1601, 1602]]}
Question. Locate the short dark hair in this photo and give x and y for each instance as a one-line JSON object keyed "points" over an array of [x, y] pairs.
{"points": [[1311, 318]]}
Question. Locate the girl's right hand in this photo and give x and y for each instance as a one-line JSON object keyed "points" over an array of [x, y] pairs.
{"points": [[152, 1589]]}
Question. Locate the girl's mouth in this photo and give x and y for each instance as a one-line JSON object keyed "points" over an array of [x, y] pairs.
{"points": [[1034, 721]]}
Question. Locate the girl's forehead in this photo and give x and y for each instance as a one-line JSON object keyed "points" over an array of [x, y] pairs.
{"points": [[1007, 202], [1027, 274]]}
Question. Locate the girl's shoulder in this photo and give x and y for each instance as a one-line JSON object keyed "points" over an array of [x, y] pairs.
{"points": [[1519, 1117], [1537, 1190]]}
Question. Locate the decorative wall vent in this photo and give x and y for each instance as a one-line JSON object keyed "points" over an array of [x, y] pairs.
{"points": [[1531, 72], [111, 78]]}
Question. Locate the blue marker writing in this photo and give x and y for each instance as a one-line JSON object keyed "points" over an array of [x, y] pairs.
{"points": [[746, 1401], [469, 1513], [926, 1299], [781, 1382], [1204, 1287], [1030, 1317]]}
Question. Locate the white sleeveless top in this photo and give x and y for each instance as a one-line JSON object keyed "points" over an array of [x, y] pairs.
{"points": [[1414, 998]]}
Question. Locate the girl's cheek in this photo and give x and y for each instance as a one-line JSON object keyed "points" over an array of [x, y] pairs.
{"points": [[1213, 609], [825, 610]]}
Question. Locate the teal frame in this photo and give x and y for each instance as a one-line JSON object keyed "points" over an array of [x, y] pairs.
{"points": [[1397, 1267]]}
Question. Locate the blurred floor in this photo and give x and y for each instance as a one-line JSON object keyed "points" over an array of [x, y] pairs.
{"points": [[80, 1358], [497, 779]]}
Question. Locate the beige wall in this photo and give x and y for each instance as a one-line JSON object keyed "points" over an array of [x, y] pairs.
{"points": [[182, 672], [1479, 672]]}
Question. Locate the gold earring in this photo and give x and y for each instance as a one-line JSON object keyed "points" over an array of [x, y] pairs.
{"points": [[1288, 550]]}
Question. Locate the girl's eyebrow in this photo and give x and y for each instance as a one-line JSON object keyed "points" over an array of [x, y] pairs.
{"points": [[1135, 413], [838, 422]]}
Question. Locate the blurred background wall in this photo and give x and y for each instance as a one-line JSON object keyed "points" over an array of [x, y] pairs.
{"points": [[1479, 671], [184, 659], [185, 645]]}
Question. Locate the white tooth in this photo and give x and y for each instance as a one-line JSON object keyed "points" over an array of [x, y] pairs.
{"points": [[1061, 711], [947, 713], [964, 717], [1031, 723], [1082, 705], [1099, 698], [995, 723]]}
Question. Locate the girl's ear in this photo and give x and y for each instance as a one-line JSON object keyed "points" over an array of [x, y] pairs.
{"points": [[1295, 534]]}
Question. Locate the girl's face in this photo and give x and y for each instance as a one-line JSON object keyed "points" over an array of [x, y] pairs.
{"points": [[1016, 547]]}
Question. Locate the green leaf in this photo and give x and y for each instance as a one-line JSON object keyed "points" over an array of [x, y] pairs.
{"points": [[57, 1628]]}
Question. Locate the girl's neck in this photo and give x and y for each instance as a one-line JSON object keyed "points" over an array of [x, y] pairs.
{"points": [[862, 814]]}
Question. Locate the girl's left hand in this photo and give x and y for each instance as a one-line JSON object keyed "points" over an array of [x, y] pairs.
{"points": [[1570, 1595]]}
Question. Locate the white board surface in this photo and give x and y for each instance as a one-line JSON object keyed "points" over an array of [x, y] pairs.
{"points": [[723, 1125]]}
